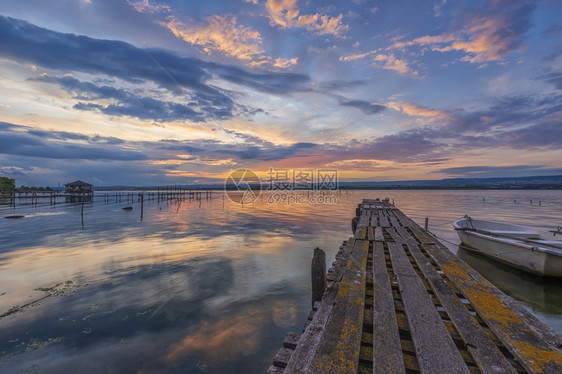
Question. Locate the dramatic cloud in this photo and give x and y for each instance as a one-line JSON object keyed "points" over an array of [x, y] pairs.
{"points": [[507, 113], [489, 35], [218, 33], [24, 42], [365, 106], [15, 140], [415, 110], [126, 103], [385, 61], [285, 13], [222, 34], [543, 135], [406, 146], [499, 171]]}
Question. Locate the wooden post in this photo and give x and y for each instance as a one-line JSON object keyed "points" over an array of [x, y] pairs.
{"points": [[426, 223], [354, 224], [142, 204], [318, 274]]}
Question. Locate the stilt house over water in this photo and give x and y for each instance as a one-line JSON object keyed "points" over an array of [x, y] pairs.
{"points": [[79, 188]]}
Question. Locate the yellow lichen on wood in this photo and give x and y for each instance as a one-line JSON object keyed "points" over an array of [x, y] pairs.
{"points": [[540, 359], [343, 356], [487, 303], [361, 233], [343, 359], [504, 321]]}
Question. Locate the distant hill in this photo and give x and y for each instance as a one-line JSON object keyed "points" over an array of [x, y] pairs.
{"points": [[535, 182]]}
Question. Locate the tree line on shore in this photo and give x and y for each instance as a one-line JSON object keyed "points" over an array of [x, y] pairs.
{"points": [[9, 185]]}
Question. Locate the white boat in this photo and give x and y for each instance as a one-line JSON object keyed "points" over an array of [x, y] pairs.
{"points": [[526, 248]]}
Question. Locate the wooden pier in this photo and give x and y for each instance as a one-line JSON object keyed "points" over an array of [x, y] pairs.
{"points": [[35, 199], [398, 301]]}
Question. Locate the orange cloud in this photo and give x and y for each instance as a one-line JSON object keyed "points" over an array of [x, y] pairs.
{"points": [[221, 33], [285, 313], [224, 34], [225, 339], [357, 164], [418, 111], [390, 62], [284, 63], [487, 37], [285, 13], [358, 56]]}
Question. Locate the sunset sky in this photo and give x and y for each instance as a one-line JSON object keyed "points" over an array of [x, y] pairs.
{"points": [[148, 92]]}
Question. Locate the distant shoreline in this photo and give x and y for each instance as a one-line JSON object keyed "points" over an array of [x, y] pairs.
{"points": [[548, 182], [342, 188]]}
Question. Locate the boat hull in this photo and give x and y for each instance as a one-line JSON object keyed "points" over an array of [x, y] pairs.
{"points": [[510, 251]]}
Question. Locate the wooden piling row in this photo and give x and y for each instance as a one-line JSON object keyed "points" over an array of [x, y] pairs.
{"points": [[161, 195], [398, 301]]}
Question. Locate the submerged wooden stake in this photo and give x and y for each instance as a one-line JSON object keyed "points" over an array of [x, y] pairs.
{"points": [[142, 205], [318, 274]]}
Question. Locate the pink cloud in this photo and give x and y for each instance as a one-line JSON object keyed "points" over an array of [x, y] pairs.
{"points": [[285, 13], [489, 35]]}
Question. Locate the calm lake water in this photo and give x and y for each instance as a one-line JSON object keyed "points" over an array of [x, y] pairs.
{"points": [[205, 286]]}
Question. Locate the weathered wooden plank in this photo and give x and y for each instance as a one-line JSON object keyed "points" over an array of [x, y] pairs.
{"points": [[331, 342], [282, 356], [371, 233], [395, 236], [339, 350], [393, 220], [422, 235], [435, 348], [486, 354], [379, 236], [363, 220], [335, 272], [533, 343], [404, 220], [360, 233], [301, 359], [373, 217], [405, 235], [384, 221], [291, 340], [387, 356], [312, 336]]}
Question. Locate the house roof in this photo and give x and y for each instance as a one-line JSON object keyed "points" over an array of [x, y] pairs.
{"points": [[78, 183]]}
